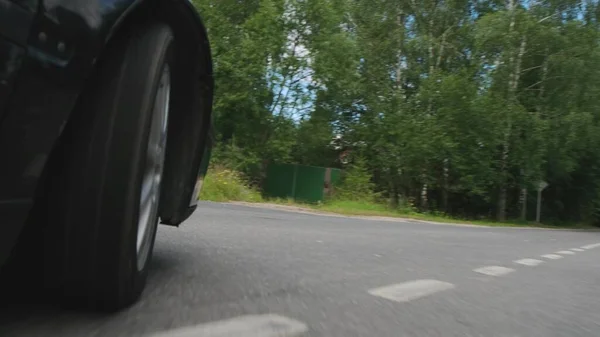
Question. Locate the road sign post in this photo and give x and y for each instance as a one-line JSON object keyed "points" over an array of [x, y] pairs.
{"points": [[542, 185]]}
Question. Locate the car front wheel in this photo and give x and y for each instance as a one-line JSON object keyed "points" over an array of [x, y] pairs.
{"points": [[104, 181]]}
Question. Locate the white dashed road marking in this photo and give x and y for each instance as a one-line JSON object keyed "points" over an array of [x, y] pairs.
{"points": [[494, 270], [594, 245], [565, 252], [247, 326], [552, 256], [529, 262], [408, 291], [577, 250]]}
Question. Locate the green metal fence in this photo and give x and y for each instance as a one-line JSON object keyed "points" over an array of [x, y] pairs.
{"points": [[301, 183]]}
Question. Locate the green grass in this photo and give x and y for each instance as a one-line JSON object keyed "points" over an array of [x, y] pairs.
{"points": [[285, 202], [359, 208], [376, 209], [223, 185], [356, 208]]}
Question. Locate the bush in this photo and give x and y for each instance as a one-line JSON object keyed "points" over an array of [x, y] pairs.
{"points": [[356, 184], [227, 156], [221, 184]]}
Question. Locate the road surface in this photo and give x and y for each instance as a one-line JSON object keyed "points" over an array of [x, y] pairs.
{"points": [[244, 271]]}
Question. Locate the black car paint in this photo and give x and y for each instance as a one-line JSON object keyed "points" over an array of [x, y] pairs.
{"points": [[15, 21], [42, 75]]}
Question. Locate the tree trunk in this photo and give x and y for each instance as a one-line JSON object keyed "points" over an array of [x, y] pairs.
{"points": [[539, 105], [517, 76], [543, 83], [285, 75], [501, 216], [438, 63], [431, 64], [513, 84], [524, 204], [445, 189], [395, 200], [400, 20], [424, 200]]}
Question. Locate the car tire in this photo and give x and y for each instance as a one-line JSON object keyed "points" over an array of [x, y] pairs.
{"points": [[103, 180]]}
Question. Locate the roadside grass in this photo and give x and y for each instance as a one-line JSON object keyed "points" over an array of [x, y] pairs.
{"points": [[374, 209], [360, 208], [224, 185], [351, 207]]}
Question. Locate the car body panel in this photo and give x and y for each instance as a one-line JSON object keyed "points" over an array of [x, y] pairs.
{"points": [[15, 21], [11, 56], [41, 77]]}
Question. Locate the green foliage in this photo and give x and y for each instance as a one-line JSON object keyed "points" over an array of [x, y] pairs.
{"points": [[458, 106], [357, 207], [222, 184], [356, 184]]}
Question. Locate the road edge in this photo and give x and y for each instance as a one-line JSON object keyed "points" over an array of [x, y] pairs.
{"points": [[310, 211]]}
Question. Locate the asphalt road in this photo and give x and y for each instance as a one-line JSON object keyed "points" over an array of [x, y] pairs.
{"points": [[242, 271]]}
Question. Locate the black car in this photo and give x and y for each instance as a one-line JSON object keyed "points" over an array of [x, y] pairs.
{"points": [[105, 117]]}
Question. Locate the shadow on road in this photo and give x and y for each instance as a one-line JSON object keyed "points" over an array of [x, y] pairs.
{"points": [[25, 307]]}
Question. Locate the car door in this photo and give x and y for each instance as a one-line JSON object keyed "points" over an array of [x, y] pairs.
{"points": [[16, 17]]}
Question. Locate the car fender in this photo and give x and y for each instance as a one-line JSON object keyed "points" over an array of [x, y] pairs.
{"points": [[66, 40], [88, 28]]}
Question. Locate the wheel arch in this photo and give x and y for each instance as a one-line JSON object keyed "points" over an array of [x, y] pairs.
{"points": [[66, 39], [190, 119]]}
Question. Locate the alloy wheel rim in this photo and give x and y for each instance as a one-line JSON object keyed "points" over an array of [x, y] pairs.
{"points": [[153, 171]]}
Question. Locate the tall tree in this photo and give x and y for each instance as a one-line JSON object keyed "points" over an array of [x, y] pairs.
{"points": [[462, 106]]}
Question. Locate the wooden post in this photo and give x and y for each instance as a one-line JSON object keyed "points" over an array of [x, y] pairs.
{"points": [[539, 206], [294, 182], [327, 185], [524, 204], [538, 212]]}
